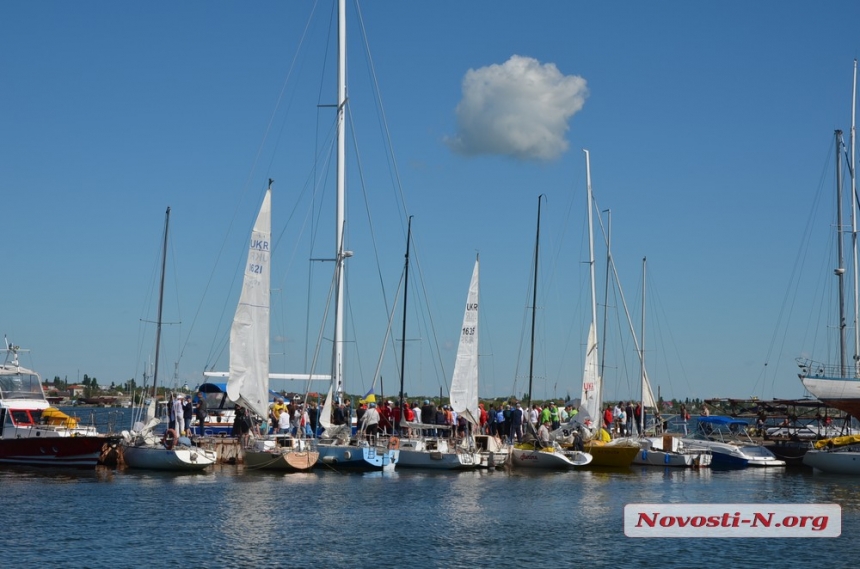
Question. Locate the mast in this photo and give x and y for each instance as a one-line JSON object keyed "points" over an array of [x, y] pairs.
{"points": [[599, 386], [340, 222], [840, 270], [854, 224], [405, 293], [642, 356], [534, 308], [160, 304]]}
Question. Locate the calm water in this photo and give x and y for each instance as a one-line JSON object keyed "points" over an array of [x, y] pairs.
{"points": [[233, 518]]}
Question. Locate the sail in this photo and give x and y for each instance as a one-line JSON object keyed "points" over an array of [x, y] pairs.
{"points": [[248, 383], [464, 385], [648, 400], [590, 402], [325, 412]]}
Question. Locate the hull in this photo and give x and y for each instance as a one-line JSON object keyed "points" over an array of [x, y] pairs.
{"points": [[552, 458], [493, 453], [612, 456], [177, 459], [358, 458], [833, 462], [283, 459], [435, 454], [652, 457], [54, 452], [842, 394]]}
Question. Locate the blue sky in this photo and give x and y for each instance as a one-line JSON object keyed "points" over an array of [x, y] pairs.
{"points": [[710, 127]]}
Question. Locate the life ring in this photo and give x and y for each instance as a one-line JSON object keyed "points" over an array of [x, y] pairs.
{"points": [[393, 443], [169, 439]]}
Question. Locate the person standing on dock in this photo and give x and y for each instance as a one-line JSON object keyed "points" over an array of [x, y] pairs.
{"points": [[187, 414], [179, 413], [201, 414], [631, 422]]}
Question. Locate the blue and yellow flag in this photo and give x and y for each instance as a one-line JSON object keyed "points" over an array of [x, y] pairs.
{"points": [[369, 397]]}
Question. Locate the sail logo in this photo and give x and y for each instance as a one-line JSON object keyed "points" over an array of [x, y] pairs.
{"points": [[259, 245], [732, 520]]}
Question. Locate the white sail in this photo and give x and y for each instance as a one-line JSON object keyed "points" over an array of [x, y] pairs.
{"points": [[464, 385], [248, 383], [590, 402], [325, 412]]}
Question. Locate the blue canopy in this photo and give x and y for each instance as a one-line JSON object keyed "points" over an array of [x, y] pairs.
{"points": [[722, 421]]}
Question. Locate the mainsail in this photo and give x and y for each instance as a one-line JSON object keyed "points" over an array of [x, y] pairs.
{"points": [[248, 383], [464, 385], [590, 402]]}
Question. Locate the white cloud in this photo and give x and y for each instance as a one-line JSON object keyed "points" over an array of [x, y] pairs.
{"points": [[520, 108]]}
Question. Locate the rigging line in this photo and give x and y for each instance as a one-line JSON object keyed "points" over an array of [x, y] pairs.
{"points": [[368, 211], [392, 159], [241, 199], [792, 287], [429, 317]]}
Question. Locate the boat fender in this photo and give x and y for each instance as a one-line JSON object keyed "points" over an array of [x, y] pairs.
{"points": [[169, 439], [347, 455], [666, 458], [393, 443]]}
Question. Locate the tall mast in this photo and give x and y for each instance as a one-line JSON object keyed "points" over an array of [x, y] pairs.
{"points": [[534, 308], [405, 293], [340, 223], [591, 267], [642, 355], [160, 304], [840, 270], [854, 224]]}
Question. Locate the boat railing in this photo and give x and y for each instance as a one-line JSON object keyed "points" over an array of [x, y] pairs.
{"points": [[814, 369]]}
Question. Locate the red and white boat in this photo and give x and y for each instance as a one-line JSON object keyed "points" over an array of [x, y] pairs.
{"points": [[34, 433]]}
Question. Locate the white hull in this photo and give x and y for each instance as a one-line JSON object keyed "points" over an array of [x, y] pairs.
{"points": [[157, 457], [365, 458], [736, 456], [493, 453], [548, 459], [834, 462], [435, 454], [653, 454]]}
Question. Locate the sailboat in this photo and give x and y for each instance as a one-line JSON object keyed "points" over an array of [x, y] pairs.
{"points": [[464, 383], [666, 450], [248, 383], [433, 452], [838, 385], [336, 448], [142, 447], [620, 452], [533, 453]]}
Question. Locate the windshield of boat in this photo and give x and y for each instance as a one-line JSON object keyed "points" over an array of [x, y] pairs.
{"points": [[21, 386]]}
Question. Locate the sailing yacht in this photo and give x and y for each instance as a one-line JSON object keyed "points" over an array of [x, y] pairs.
{"points": [[337, 449], [619, 452], [142, 447], [532, 453], [248, 383], [838, 385], [436, 452]]}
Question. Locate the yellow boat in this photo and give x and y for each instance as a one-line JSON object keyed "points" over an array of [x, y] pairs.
{"points": [[618, 453]]}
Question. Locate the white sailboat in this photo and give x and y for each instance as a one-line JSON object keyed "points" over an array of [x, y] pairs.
{"points": [[435, 452], [248, 384], [338, 450], [464, 383], [536, 454], [142, 447], [838, 385]]}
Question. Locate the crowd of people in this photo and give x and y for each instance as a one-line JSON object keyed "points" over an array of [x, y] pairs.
{"points": [[624, 419]]}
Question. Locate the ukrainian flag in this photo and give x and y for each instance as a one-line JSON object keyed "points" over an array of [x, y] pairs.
{"points": [[369, 397]]}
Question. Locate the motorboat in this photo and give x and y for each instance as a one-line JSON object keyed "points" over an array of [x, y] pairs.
{"points": [[34, 433], [730, 444]]}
